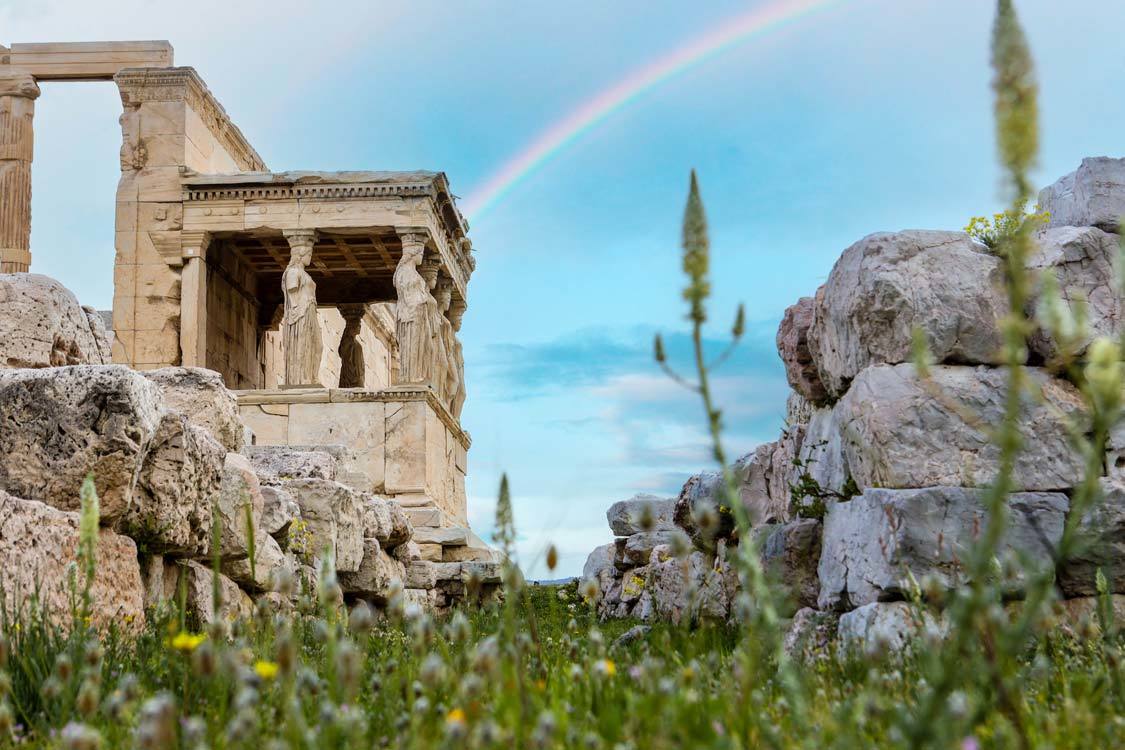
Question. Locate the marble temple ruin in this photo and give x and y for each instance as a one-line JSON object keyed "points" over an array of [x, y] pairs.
{"points": [[328, 301]]}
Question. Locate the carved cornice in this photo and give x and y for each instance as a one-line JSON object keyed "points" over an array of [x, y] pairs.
{"points": [[289, 192], [139, 85]]}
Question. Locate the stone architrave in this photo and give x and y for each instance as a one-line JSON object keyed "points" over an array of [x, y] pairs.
{"points": [[415, 312], [18, 92], [301, 326], [351, 350]]}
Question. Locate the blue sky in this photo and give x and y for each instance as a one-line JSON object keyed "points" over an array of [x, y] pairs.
{"points": [[872, 116]]}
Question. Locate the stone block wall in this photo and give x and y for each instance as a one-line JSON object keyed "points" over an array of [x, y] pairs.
{"points": [[171, 123], [398, 442]]}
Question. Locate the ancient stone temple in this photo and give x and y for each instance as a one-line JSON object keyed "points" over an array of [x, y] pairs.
{"points": [[328, 301]]}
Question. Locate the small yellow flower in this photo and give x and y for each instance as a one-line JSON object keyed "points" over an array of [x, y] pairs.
{"points": [[187, 642], [456, 716], [541, 685], [606, 667], [267, 670]]}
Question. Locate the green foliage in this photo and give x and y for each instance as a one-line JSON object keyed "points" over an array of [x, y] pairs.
{"points": [[995, 231], [808, 499]]}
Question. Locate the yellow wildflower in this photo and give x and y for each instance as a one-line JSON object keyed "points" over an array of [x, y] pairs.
{"points": [[187, 641], [456, 716], [267, 670], [606, 667]]}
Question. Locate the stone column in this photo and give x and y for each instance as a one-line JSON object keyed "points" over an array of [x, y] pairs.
{"points": [[415, 310], [301, 338], [193, 298], [351, 350], [18, 92]]}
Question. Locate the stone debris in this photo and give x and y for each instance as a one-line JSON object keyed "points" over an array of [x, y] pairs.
{"points": [[44, 326]]}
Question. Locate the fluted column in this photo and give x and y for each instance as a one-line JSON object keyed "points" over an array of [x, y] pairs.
{"points": [[18, 92], [352, 373]]}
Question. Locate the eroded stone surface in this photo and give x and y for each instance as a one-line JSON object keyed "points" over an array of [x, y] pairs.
{"points": [[42, 325], [902, 432], [883, 627], [626, 516], [65, 423], [333, 513], [179, 480], [873, 541], [790, 554], [1082, 261], [201, 396], [793, 346], [240, 493], [38, 543], [1091, 196], [275, 464], [279, 510], [1102, 531], [373, 576], [887, 284], [234, 603]]}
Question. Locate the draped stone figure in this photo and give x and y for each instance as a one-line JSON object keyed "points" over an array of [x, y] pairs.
{"points": [[351, 350], [301, 326], [445, 342], [414, 312], [456, 360]]}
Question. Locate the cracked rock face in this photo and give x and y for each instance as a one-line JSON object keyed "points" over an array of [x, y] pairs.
{"points": [[1082, 261], [901, 431], [793, 346], [204, 399], [874, 540], [888, 627], [625, 517], [886, 284], [1102, 528], [65, 423], [42, 325], [1091, 196]]}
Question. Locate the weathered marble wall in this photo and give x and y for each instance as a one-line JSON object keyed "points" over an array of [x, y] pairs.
{"points": [[170, 122]]}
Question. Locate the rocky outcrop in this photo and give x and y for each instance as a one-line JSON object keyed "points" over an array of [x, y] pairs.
{"points": [[1091, 196], [641, 513], [202, 397], [275, 464], [902, 431], [875, 543], [180, 479], [63, 424], [38, 543], [333, 515], [793, 346], [790, 554], [1081, 259], [887, 284], [42, 325], [882, 627], [240, 505], [1101, 536]]}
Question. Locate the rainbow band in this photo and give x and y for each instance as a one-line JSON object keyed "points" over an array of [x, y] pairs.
{"points": [[624, 92]]}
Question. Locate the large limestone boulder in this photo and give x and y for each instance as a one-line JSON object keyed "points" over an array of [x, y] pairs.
{"points": [[793, 346], [42, 325], [38, 543], [276, 464], [626, 517], [889, 627], [638, 547], [810, 633], [1082, 261], [204, 399], [372, 578], [701, 495], [1102, 538], [234, 603], [269, 562], [887, 284], [901, 432], [333, 513], [385, 521], [239, 493], [279, 511], [763, 485], [601, 559], [691, 587], [790, 554], [62, 424], [1091, 196], [873, 542], [821, 453], [180, 479]]}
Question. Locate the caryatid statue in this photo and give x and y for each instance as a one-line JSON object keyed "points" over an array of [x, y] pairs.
{"points": [[456, 358], [415, 312], [445, 340], [301, 326]]}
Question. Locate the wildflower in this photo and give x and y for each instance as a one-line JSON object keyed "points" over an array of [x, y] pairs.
{"points": [[267, 670], [80, 737], [605, 667], [456, 716], [187, 642]]}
